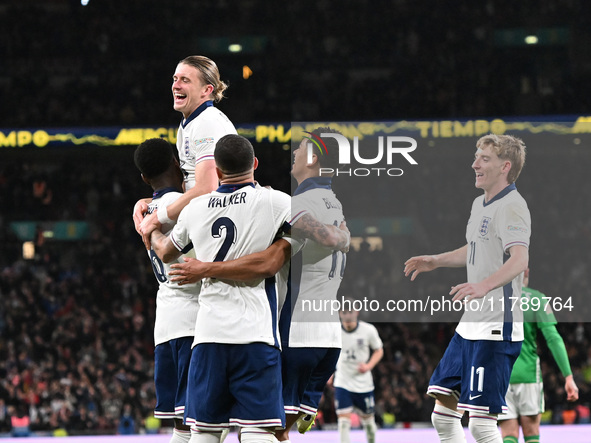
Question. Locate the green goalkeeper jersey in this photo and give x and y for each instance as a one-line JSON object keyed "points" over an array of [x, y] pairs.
{"points": [[538, 316]]}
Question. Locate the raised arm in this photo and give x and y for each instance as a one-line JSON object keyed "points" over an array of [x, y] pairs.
{"points": [[262, 264], [426, 263]]}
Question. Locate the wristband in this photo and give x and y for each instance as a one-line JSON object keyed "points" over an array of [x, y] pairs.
{"points": [[162, 214]]}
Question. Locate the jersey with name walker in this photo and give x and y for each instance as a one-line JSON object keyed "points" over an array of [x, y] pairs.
{"points": [[176, 306], [316, 271], [358, 345], [197, 136], [493, 228], [231, 222]]}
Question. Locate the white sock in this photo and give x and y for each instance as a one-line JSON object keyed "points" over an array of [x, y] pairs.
{"points": [[448, 424], [205, 437], [257, 435], [484, 428], [370, 427], [180, 436], [344, 429]]}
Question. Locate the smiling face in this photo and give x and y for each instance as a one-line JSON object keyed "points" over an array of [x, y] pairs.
{"points": [[188, 90], [491, 171]]}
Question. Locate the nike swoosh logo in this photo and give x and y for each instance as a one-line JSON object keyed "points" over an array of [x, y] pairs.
{"points": [[476, 396]]}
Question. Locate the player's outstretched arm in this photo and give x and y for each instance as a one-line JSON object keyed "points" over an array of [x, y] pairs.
{"points": [[558, 349], [515, 265], [163, 247], [426, 263], [333, 237], [262, 264]]}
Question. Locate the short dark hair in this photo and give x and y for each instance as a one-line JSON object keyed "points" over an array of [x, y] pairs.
{"points": [[328, 158], [153, 157], [233, 154]]}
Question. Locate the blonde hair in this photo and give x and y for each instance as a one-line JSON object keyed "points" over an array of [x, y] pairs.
{"points": [[506, 147], [210, 74]]}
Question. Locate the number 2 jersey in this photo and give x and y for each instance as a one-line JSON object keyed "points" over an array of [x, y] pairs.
{"points": [[176, 306], [493, 228], [229, 223], [316, 272]]}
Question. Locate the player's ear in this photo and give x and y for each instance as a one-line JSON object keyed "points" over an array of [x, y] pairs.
{"points": [[506, 166], [218, 172], [145, 179], [256, 164]]}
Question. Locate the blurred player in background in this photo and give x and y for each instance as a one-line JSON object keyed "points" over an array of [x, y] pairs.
{"points": [[354, 389], [176, 306], [235, 371], [474, 373], [525, 397], [196, 85]]}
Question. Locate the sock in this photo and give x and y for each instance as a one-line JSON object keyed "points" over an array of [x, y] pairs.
{"points": [[344, 429], [448, 424], [205, 437], [510, 439], [484, 428], [369, 425], [532, 439], [257, 435], [180, 436]]}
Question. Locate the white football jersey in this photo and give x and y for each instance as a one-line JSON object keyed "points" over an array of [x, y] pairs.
{"points": [[197, 136], [358, 345], [492, 229], [316, 271], [231, 222], [176, 306]]}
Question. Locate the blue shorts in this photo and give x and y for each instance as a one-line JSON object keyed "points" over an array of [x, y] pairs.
{"points": [[305, 373], [171, 367], [476, 373], [237, 385], [345, 401]]}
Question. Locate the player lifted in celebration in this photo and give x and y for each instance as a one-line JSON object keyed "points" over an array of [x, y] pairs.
{"points": [[235, 371], [362, 350], [525, 397], [196, 85], [474, 372], [176, 306]]}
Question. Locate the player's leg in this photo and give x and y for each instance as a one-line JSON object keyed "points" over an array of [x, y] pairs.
{"points": [[343, 403], [208, 402], [255, 383], [167, 384], [530, 424], [483, 427], [181, 350], [320, 375], [509, 422], [485, 381], [364, 403], [444, 386]]}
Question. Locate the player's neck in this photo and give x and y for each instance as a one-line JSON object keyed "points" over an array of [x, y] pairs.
{"points": [[238, 179], [489, 194], [311, 174]]}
